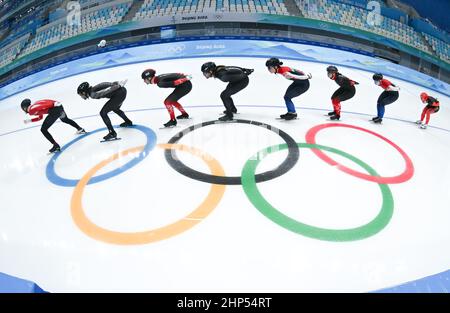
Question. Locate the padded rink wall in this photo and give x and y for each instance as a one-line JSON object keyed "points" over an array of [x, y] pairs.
{"points": [[433, 284], [225, 47], [10, 284], [439, 283]]}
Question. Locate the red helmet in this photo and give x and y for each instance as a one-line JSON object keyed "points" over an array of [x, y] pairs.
{"points": [[424, 96]]}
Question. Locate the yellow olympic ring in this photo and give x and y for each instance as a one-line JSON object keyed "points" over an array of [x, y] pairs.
{"points": [[131, 238]]}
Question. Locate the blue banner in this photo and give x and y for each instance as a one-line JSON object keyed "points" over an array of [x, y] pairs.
{"points": [[224, 48]]}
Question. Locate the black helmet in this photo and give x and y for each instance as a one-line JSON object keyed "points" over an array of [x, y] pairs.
{"points": [[148, 74], [25, 104], [377, 77], [332, 69], [208, 67], [83, 88], [272, 62]]}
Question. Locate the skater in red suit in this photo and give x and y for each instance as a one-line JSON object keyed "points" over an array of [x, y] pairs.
{"points": [[182, 85], [300, 84], [55, 111], [388, 96], [432, 106]]}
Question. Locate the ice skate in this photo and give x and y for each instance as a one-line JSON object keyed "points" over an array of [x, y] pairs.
{"points": [[126, 124], [55, 148], [170, 124], [183, 116], [110, 137]]}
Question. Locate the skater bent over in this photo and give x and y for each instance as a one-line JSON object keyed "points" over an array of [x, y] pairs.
{"points": [[116, 93], [388, 96], [432, 106], [345, 92], [55, 111], [298, 87], [182, 85], [237, 79]]}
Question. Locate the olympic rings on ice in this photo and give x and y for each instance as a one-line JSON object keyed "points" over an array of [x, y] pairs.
{"points": [[218, 181]]}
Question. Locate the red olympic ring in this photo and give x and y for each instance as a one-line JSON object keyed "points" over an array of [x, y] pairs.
{"points": [[403, 177]]}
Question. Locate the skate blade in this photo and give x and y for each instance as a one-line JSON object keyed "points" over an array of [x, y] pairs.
{"points": [[283, 119], [115, 139], [220, 122], [169, 127], [50, 153]]}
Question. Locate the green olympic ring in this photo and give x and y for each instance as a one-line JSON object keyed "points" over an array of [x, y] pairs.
{"points": [[358, 233]]}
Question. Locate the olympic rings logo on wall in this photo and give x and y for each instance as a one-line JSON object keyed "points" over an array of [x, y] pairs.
{"points": [[249, 180], [177, 49]]}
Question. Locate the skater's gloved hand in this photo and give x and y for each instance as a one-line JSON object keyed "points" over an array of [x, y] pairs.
{"points": [[309, 75], [392, 88], [248, 71], [27, 121], [123, 83]]}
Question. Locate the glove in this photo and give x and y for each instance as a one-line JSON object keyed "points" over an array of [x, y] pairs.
{"points": [[188, 77], [123, 82], [393, 88], [27, 121], [309, 75], [248, 71]]}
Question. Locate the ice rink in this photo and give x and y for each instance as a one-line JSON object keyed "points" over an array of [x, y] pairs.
{"points": [[118, 216]]}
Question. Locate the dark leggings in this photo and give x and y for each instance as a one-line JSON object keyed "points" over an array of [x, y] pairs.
{"points": [[343, 94], [386, 98], [54, 114], [114, 105], [232, 89], [296, 89], [179, 92]]}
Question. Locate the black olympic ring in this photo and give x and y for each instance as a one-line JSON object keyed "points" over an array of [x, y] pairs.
{"points": [[283, 168]]}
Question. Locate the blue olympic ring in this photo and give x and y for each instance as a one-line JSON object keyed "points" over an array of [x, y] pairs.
{"points": [[60, 181]]}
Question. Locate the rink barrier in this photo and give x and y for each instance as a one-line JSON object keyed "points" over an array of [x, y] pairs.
{"points": [[83, 64]]}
